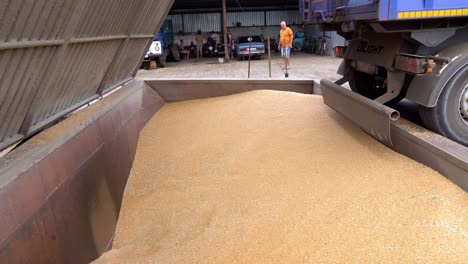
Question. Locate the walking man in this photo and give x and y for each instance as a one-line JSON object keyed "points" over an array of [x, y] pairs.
{"points": [[285, 42]]}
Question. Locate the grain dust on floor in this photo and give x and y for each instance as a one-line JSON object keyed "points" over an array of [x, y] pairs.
{"points": [[277, 177]]}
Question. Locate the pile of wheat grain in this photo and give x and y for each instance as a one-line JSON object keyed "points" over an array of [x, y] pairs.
{"points": [[277, 177]]}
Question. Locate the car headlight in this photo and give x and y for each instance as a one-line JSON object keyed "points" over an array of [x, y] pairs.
{"points": [[155, 48]]}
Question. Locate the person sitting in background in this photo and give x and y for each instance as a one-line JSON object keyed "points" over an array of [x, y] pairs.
{"points": [[192, 48], [210, 39], [185, 52]]}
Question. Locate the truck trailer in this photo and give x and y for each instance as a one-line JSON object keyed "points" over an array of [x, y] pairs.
{"points": [[397, 49]]}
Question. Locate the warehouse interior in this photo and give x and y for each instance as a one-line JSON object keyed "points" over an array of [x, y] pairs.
{"points": [[243, 18]]}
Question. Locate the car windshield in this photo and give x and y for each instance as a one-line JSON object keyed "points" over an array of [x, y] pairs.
{"points": [[246, 39]]}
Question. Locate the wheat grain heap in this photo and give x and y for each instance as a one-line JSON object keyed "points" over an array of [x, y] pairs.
{"points": [[278, 177]]}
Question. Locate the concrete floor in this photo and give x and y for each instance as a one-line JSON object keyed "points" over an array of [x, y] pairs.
{"points": [[303, 66]]}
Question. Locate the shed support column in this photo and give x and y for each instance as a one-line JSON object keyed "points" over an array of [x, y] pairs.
{"points": [[226, 54]]}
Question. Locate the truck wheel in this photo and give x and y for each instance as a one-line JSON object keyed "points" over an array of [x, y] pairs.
{"points": [[175, 54], [450, 115], [161, 61], [372, 86]]}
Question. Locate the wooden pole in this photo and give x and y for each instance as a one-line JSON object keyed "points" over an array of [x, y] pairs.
{"points": [[269, 58], [286, 74], [250, 46], [226, 54]]}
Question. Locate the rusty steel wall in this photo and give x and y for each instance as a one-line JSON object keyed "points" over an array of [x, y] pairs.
{"points": [[56, 55], [60, 193]]}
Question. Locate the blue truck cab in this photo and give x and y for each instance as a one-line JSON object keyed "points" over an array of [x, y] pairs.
{"points": [[399, 49]]}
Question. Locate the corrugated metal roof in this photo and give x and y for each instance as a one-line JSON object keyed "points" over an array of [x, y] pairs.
{"points": [[56, 55], [16, 95], [37, 20]]}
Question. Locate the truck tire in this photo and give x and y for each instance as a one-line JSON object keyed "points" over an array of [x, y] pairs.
{"points": [[450, 115], [175, 54], [161, 61]]}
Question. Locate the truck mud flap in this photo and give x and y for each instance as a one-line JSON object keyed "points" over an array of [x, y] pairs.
{"points": [[383, 123], [375, 49]]}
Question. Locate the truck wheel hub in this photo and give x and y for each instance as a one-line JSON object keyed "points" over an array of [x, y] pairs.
{"points": [[464, 105]]}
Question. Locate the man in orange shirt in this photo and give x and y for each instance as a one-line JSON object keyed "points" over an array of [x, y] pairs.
{"points": [[285, 43]]}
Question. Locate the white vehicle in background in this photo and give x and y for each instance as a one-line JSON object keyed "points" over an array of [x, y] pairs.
{"points": [[256, 46], [163, 47], [154, 53]]}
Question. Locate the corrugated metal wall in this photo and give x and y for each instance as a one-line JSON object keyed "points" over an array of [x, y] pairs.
{"points": [[246, 19], [290, 16], [56, 55], [205, 22], [269, 31], [177, 24], [211, 22]]}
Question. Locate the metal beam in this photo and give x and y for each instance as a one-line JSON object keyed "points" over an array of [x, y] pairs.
{"points": [[28, 44]]}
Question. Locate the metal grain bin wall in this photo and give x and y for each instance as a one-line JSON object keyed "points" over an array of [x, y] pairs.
{"points": [[56, 55]]}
